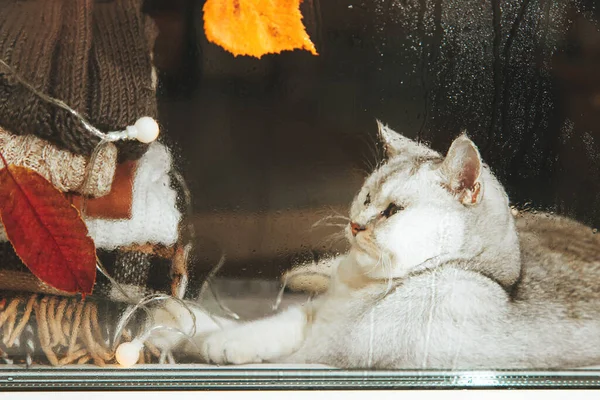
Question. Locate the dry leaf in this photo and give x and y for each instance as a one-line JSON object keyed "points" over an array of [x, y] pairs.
{"points": [[256, 27], [46, 231]]}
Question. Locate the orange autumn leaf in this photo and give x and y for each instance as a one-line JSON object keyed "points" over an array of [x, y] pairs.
{"points": [[46, 231], [256, 27]]}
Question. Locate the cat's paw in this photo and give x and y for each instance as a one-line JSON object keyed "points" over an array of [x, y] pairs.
{"points": [[255, 342], [182, 320], [231, 346]]}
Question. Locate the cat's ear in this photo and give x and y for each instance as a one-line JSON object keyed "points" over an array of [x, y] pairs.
{"points": [[462, 170], [397, 145]]}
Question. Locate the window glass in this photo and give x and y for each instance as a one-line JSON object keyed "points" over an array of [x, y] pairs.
{"points": [[315, 214]]}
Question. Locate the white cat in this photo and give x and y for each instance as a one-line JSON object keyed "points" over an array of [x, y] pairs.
{"points": [[434, 279]]}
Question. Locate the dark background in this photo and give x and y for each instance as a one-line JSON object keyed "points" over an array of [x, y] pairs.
{"points": [[270, 146]]}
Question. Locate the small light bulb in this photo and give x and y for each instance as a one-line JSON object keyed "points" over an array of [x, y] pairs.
{"points": [[147, 130], [128, 353]]}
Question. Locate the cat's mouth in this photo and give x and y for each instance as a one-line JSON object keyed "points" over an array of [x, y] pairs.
{"points": [[364, 243]]}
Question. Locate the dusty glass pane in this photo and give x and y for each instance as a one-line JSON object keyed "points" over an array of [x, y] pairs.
{"points": [[271, 179]]}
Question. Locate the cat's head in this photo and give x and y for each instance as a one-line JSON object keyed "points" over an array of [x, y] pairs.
{"points": [[420, 207]]}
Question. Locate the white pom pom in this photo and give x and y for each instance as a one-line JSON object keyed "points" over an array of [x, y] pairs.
{"points": [[147, 129], [128, 353]]}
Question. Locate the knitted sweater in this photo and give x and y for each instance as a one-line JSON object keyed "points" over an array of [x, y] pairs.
{"points": [[95, 55]]}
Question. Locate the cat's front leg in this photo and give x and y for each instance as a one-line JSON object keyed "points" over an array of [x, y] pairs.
{"points": [[312, 277], [254, 342]]}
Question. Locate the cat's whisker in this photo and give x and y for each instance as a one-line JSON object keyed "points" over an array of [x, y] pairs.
{"points": [[375, 150], [373, 165], [339, 217], [330, 220], [365, 140], [369, 164], [377, 264], [330, 224], [361, 171], [373, 160], [380, 260], [334, 238], [340, 234], [337, 213]]}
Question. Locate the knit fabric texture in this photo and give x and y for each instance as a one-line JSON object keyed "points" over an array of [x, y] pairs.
{"points": [[135, 272], [142, 255], [93, 55], [65, 170], [154, 213], [155, 216]]}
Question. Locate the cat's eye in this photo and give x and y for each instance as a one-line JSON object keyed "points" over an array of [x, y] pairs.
{"points": [[367, 199], [391, 209]]}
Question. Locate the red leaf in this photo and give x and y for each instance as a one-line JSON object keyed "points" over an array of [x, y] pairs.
{"points": [[46, 231]]}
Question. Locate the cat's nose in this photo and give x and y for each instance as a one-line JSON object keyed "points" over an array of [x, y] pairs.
{"points": [[355, 228]]}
